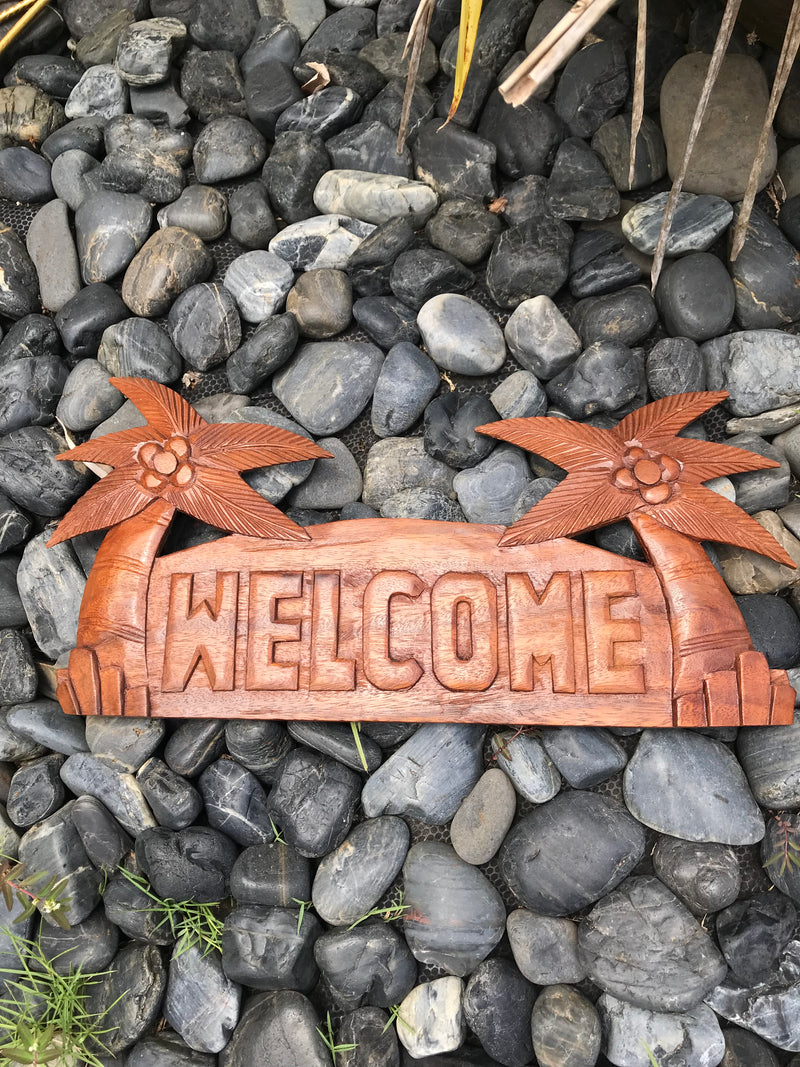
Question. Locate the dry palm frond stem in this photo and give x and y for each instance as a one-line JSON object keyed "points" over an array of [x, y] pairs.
{"points": [[638, 87], [417, 36], [33, 8]]}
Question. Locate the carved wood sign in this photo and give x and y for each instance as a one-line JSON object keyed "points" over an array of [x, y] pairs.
{"points": [[410, 619]]}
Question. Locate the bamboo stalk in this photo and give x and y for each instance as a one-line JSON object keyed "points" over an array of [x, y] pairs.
{"points": [[553, 50], [20, 25], [638, 87], [720, 47], [15, 9], [791, 43]]}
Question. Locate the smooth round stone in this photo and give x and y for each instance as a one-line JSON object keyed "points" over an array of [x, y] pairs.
{"points": [[262, 353], [266, 948], [523, 758], [723, 154], [273, 483], [450, 423], [275, 38], [15, 746], [231, 28], [229, 147], [706, 877], [483, 818], [488, 492], [82, 320], [334, 482], [90, 945], [545, 948], [428, 776], [497, 1009], [191, 863], [102, 836], [201, 1003], [110, 228], [321, 302], [592, 87], [323, 241], [123, 743], [313, 801], [30, 389], [642, 945], [585, 755], [270, 88], [272, 874], [44, 722], [204, 325], [134, 987], [211, 85], [235, 802], [259, 282], [281, 1030], [88, 397], [352, 879], [324, 113], [166, 1050], [201, 209], [70, 175], [580, 187], [570, 851], [118, 790], [753, 933], [565, 1028], [689, 786], [697, 223], [146, 49], [605, 378], [696, 297], [422, 504], [464, 229], [460, 335], [370, 964], [295, 165], [20, 291], [170, 262], [455, 915], [100, 91], [252, 222], [52, 250], [766, 276], [387, 320], [346, 31], [407, 380], [694, 1036], [774, 628], [519, 396], [139, 348], [770, 759], [85, 134], [540, 338], [375, 198], [24, 175], [328, 383], [529, 260], [53, 74], [173, 800], [369, 146], [434, 1018], [612, 143], [36, 791], [675, 365], [422, 273], [398, 463], [194, 745], [624, 317]]}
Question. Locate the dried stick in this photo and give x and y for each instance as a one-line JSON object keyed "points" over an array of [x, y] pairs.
{"points": [[720, 47], [21, 23], [555, 49], [417, 36], [791, 42], [638, 87]]}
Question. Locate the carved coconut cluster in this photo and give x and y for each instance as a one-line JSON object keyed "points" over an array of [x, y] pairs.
{"points": [[165, 464], [650, 474]]}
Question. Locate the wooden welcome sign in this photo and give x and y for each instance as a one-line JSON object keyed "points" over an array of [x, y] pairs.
{"points": [[409, 619]]}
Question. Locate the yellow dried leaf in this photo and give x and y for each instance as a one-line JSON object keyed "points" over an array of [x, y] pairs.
{"points": [[467, 33]]}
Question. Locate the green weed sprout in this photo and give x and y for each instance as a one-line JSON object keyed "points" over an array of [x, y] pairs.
{"points": [[396, 1017], [389, 914], [43, 1015], [330, 1044], [649, 1052], [356, 728], [191, 922]]}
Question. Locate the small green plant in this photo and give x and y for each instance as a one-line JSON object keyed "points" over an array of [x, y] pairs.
{"points": [[43, 1015], [330, 1044], [191, 922], [279, 839], [356, 728], [389, 913], [33, 890], [303, 905], [649, 1052], [397, 1018], [788, 854]]}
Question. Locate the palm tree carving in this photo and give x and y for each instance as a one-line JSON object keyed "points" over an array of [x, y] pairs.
{"points": [[175, 462], [642, 471]]}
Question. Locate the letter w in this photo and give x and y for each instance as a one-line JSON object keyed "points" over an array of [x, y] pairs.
{"points": [[202, 633]]}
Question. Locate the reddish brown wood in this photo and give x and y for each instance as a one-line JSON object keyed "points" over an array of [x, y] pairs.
{"points": [[406, 619]]}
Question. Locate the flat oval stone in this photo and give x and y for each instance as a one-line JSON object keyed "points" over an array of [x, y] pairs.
{"points": [[105, 841], [375, 197], [201, 209], [24, 175], [489, 491], [313, 801], [44, 722], [330, 738], [258, 282], [170, 262], [697, 223], [570, 851], [435, 1018], [352, 879], [90, 945], [204, 325], [267, 349], [119, 791], [194, 863], [408, 379], [88, 397], [53, 845], [642, 945], [324, 113], [321, 302], [134, 987], [694, 1036], [279, 1030], [328, 383], [201, 1002], [690, 786], [565, 1028], [523, 758], [455, 915], [36, 791], [235, 802], [110, 228], [267, 948], [497, 1009], [295, 165], [696, 297], [229, 147], [460, 335], [771, 759], [398, 463], [137, 348], [271, 874], [252, 223], [370, 964], [545, 948], [706, 877], [173, 800], [585, 755], [429, 775], [323, 241], [483, 817]]}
